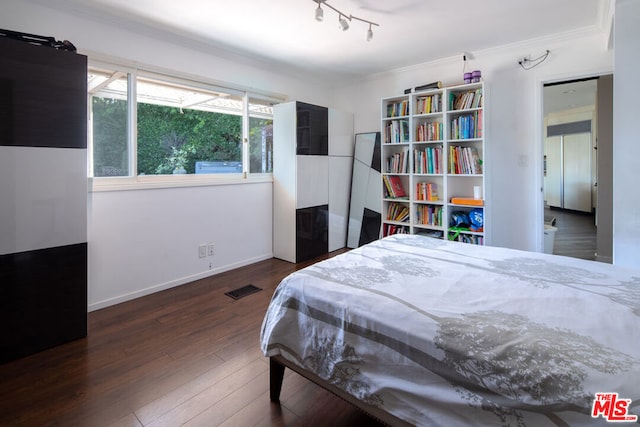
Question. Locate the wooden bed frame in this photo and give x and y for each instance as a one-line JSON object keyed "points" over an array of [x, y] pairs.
{"points": [[277, 365]]}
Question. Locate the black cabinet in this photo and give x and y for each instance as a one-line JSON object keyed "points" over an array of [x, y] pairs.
{"points": [[312, 130], [43, 299], [43, 96], [313, 158], [312, 232], [43, 233]]}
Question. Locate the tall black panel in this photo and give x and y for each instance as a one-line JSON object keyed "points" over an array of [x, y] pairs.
{"points": [[43, 96], [370, 231], [43, 235], [312, 232], [43, 299], [6, 113], [312, 127]]}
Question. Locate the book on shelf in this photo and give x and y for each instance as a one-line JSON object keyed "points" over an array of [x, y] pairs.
{"points": [[398, 162], [464, 161], [429, 215], [390, 229], [427, 104], [394, 187], [396, 131], [427, 191], [468, 126], [398, 212], [429, 131], [476, 161], [428, 160], [465, 100], [397, 109]]}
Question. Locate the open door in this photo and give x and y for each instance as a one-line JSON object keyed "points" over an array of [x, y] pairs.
{"points": [[578, 157]]}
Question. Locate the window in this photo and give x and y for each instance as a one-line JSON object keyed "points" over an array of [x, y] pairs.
{"points": [[108, 133], [181, 127], [260, 136]]}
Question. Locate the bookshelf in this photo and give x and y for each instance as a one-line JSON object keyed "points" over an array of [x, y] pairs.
{"points": [[433, 165]]}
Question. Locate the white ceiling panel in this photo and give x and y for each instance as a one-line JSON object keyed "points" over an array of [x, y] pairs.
{"points": [[409, 32]]}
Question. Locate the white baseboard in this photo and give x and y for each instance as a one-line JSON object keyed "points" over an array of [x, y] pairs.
{"points": [[606, 259], [172, 284]]}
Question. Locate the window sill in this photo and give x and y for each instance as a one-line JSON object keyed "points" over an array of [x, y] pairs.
{"points": [[126, 183]]}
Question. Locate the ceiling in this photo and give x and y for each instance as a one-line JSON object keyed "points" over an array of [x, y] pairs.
{"points": [[285, 32], [569, 95]]}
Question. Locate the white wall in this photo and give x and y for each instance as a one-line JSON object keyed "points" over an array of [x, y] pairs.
{"points": [[513, 117], [604, 212], [134, 246], [142, 241], [626, 139]]}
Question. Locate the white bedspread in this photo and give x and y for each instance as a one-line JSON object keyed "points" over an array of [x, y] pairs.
{"points": [[450, 334]]}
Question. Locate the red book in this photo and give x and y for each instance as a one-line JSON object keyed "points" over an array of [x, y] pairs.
{"points": [[396, 186]]}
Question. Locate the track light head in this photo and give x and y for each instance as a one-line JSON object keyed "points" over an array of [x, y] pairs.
{"points": [[343, 20], [342, 23]]}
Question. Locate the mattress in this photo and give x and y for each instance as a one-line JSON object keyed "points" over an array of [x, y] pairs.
{"points": [[450, 334]]}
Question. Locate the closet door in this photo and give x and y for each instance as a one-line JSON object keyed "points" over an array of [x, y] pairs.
{"points": [[577, 172], [553, 171]]}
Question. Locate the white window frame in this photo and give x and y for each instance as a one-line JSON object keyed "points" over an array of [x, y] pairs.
{"points": [[137, 182]]}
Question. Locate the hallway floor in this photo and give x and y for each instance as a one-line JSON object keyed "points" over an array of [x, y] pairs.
{"points": [[576, 235]]}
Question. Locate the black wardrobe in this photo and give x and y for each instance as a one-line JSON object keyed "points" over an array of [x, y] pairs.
{"points": [[43, 197]]}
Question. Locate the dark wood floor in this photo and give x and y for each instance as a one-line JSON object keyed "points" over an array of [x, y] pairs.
{"points": [[576, 235], [189, 355]]}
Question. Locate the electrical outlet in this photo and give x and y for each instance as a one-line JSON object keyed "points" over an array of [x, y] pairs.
{"points": [[210, 249], [202, 251]]}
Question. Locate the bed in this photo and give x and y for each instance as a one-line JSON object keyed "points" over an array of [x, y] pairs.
{"points": [[421, 331]]}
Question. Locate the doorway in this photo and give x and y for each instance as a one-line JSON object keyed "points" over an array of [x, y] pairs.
{"points": [[578, 134], [568, 175]]}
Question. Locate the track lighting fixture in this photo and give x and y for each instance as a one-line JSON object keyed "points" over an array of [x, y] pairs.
{"points": [[342, 23], [343, 18]]}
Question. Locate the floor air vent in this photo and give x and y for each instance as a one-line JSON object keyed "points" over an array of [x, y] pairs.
{"points": [[243, 291]]}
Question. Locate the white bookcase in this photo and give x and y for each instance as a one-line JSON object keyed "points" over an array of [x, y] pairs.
{"points": [[435, 140]]}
